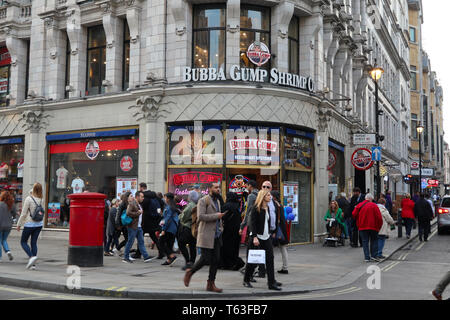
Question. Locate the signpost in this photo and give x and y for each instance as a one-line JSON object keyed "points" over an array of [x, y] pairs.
{"points": [[376, 153], [427, 172]]}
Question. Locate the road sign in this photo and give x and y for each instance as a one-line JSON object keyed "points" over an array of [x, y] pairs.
{"points": [[376, 153], [364, 139], [362, 159], [415, 165], [426, 172]]}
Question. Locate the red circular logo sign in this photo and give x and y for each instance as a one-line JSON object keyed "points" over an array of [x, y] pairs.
{"points": [[126, 163], [331, 160], [258, 53], [92, 150], [362, 159], [415, 165]]}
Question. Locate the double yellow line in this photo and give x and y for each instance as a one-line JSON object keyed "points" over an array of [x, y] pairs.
{"points": [[317, 295]]}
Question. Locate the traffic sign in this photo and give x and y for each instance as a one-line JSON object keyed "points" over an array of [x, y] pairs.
{"points": [[415, 165], [376, 153]]}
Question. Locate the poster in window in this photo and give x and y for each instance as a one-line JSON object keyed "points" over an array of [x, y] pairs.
{"points": [[124, 185], [291, 197], [298, 152], [53, 213]]}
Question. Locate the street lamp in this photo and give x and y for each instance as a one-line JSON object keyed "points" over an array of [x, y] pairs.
{"points": [[420, 131], [376, 74]]}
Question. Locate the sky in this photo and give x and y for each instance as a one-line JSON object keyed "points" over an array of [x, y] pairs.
{"points": [[435, 28]]}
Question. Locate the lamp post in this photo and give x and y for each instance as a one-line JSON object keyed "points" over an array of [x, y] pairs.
{"points": [[376, 74], [420, 131]]}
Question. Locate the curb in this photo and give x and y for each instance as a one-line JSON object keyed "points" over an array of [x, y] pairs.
{"points": [[97, 292]]}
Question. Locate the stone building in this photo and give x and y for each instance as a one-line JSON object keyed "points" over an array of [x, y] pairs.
{"points": [[101, 95], [426, 107]]}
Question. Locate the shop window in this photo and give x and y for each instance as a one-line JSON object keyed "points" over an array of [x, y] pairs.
{"points": [[336, 170], [181, 181], [255, 29], [11, 169], [294, 45], [126, 58], [68, 54], [96, 57], [209, 37], [107, 165], [5, 74]]}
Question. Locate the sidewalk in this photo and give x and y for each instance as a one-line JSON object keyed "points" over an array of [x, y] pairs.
{"points": [[311, 267]]}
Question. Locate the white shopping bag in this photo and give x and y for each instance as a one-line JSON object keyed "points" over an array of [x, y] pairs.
{"points": [[256, 256]]}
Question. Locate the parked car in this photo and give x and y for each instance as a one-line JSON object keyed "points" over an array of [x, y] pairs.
{"points": [[443, 214]]}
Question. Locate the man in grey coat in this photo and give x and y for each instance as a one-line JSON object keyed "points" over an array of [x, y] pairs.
{"points": [[209, 236]]}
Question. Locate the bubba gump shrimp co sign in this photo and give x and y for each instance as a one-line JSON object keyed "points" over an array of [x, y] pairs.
{"points": [[362, 159]]}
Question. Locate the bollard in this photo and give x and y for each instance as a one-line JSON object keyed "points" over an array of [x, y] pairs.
{"points": [[399, 223], [86, 229]]}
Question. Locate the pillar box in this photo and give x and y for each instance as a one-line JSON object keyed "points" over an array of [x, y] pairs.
{"points": [[86, 229]]}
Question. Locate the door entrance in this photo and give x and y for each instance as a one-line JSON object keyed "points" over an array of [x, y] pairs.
{"points": [[360, 180]]}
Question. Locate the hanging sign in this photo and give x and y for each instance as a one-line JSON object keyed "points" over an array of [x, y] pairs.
{"points": [[331, 160], [126, 163], [92, 149], [362, 159]]}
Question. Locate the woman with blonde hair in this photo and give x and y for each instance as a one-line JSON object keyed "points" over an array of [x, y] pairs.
{"points": [[260, 237], [32, 227]]}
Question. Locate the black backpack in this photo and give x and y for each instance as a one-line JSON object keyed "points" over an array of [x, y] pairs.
{"points": [[38, 214]]}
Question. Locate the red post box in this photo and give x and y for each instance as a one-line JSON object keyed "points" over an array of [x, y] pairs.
{"points": [[86, 229]]}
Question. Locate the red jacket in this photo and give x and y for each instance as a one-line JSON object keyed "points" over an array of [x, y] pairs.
{"points": [[408, 208], [369, 217]]}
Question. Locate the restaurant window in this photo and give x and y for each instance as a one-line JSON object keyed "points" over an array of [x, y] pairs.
{"points": [[294, 45], [100, 161], [336, 170], [5, 74], [96, 58], [126, 58], [255, 29], [209, 37], [67, 82]]}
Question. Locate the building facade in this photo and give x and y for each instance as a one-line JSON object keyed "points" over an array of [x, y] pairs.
{"points": [[426, 108], [101, 95]]}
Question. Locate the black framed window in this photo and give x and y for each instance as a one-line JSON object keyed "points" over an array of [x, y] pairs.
{"points": [[67, 80], [294, 40], [5, 75], [209, 36], [27, 72], [255, 27], [96, 60], [126, 58]]}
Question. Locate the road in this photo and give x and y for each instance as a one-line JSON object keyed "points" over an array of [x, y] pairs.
{"points": [[15, 293], [410, 274]]}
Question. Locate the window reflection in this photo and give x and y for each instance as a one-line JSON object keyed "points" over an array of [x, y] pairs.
{"points": [[209, 37], [96, 60], [294, 45], [126, 58]]}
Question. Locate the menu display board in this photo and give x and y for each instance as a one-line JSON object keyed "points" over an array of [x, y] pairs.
{"points": [[53, 212], [291, 193], [298, 150], [125, 185]]}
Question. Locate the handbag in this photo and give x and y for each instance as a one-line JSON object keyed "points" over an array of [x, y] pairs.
{"points": [[256, 256], [280, 235], [244, 235], [126, 220]]}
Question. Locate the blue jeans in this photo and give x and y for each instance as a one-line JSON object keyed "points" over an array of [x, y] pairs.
{"points": [[3, 237], [348, 223], [34, 234], [381, 242], [372, 237], [132, 234]]}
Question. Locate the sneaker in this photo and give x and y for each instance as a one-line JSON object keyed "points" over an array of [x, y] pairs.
{"points": [[116, 252], [127, 261], [381, 257], [31, 262], [108, 254], [172, 261], [166, 263], [374, 259], [436, 295], [282, 271], [10, 256], [149, 258], [132, 259], [33, 267], [367, 260]]}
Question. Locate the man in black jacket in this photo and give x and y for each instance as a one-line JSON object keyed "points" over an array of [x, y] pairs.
{"points": [[356, 199], [424, 214], [151, 218]]}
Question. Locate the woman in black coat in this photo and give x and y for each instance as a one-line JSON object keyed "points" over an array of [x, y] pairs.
{"points": [[231, 240]]}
